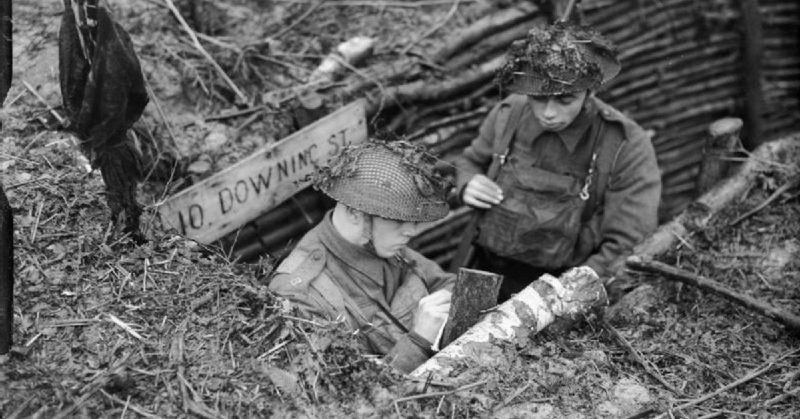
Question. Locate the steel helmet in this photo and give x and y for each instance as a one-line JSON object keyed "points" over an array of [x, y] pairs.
{"points": [[395, 180], [558, 59]]}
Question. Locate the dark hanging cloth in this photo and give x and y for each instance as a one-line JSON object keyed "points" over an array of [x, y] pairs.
{"points": [[5, 49], [103, 96]]}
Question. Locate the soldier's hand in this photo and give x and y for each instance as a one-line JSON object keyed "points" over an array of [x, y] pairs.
{"points": [[432, 311], [482, 192]]}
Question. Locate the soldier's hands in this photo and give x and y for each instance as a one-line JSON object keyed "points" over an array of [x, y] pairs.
{"points": [[482, 192], [432, 311]]}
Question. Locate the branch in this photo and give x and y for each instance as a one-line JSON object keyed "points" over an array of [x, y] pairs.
{"points": [[648, 367], [205, 53], [791, 183], [433, 29], [749, 377], [299, 19], [789, 320]]}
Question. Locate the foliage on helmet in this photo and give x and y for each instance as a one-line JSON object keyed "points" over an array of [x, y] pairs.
{"points": [[558, 52]]}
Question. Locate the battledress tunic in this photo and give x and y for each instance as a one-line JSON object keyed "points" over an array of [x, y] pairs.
{"points": [[619, 214], [328, 277]]}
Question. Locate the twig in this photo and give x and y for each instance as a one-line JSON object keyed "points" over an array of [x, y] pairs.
{"points": [[203, 51], [21, 408], [567, 11], [36, 222], [17, 158], [752, 375], [160, 110], [299, 319], [250, 119], [78, 403], [779, 398], [234, 114], [299, 19], [276, 348], [439, 393], [791, 183], [125, 326], [435, 28], [513, 396], [791, 321], [410, 4], [648, 367], [50, 109], [641, 414]]}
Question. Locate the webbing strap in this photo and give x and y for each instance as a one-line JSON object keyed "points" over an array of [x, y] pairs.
{"points": [[604, 166], [503, 145]]}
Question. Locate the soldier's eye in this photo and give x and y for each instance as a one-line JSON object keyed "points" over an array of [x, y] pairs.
{"points": [[567, 99]]}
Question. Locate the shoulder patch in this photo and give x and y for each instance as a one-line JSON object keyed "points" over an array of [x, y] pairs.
{"points": [[299, 268]]}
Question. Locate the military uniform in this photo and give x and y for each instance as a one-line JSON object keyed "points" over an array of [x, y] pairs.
{"points": [[330, 278], [623, 193]]}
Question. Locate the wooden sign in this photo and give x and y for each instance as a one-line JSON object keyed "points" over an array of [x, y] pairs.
{"points": [[229, 199]]}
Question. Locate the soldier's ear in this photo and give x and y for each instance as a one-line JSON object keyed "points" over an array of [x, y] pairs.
{"points": [[354, 216]]}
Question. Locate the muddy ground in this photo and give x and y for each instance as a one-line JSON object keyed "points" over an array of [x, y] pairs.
{"points": [[108, 328]]}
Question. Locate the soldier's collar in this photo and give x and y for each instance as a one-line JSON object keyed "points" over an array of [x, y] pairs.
{"points": [[356, 257]]}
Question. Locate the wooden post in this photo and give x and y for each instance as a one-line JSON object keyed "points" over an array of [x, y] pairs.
{"points": [[752, 49], [5, 49], [721, 143], [475, 291], [789, 320], [6, 274], [570, 296]]}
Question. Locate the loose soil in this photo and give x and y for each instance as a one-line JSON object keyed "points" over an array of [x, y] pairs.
{"points": [[108, 328]]}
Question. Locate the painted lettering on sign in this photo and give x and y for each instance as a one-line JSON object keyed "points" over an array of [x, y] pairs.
{"points": [[229, 199], [253, 185]]}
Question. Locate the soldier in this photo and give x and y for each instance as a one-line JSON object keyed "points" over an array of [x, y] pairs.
{"points": [[578, 182], [355, 265]]}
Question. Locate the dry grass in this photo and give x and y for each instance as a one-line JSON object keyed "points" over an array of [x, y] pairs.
{"points": [[105, 328]]}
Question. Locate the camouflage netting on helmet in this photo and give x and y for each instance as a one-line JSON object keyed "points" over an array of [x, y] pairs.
{"points": [[395, 180], [556, 60]]}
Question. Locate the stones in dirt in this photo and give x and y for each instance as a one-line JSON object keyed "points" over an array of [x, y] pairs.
{"points": [[779, 257], [626, 397], [638, 304]]}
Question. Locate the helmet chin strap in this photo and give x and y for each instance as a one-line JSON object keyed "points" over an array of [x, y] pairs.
{"points": [[366, 232]]}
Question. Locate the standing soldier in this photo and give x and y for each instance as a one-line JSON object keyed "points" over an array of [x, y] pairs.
{"points": [[578, 183], [355, 265]]}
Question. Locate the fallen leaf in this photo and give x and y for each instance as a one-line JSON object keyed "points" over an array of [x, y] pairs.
{"points": [[284, 380]]}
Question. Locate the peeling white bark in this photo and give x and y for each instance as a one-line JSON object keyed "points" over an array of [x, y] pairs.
{"points": [[573, 294]]}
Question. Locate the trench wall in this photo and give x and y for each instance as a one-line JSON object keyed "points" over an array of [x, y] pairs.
{"points": [[683, 68]]}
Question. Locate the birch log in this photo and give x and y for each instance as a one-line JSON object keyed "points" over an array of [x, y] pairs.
{"points": [[348, 53], [700, 212], [570, 296]]}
